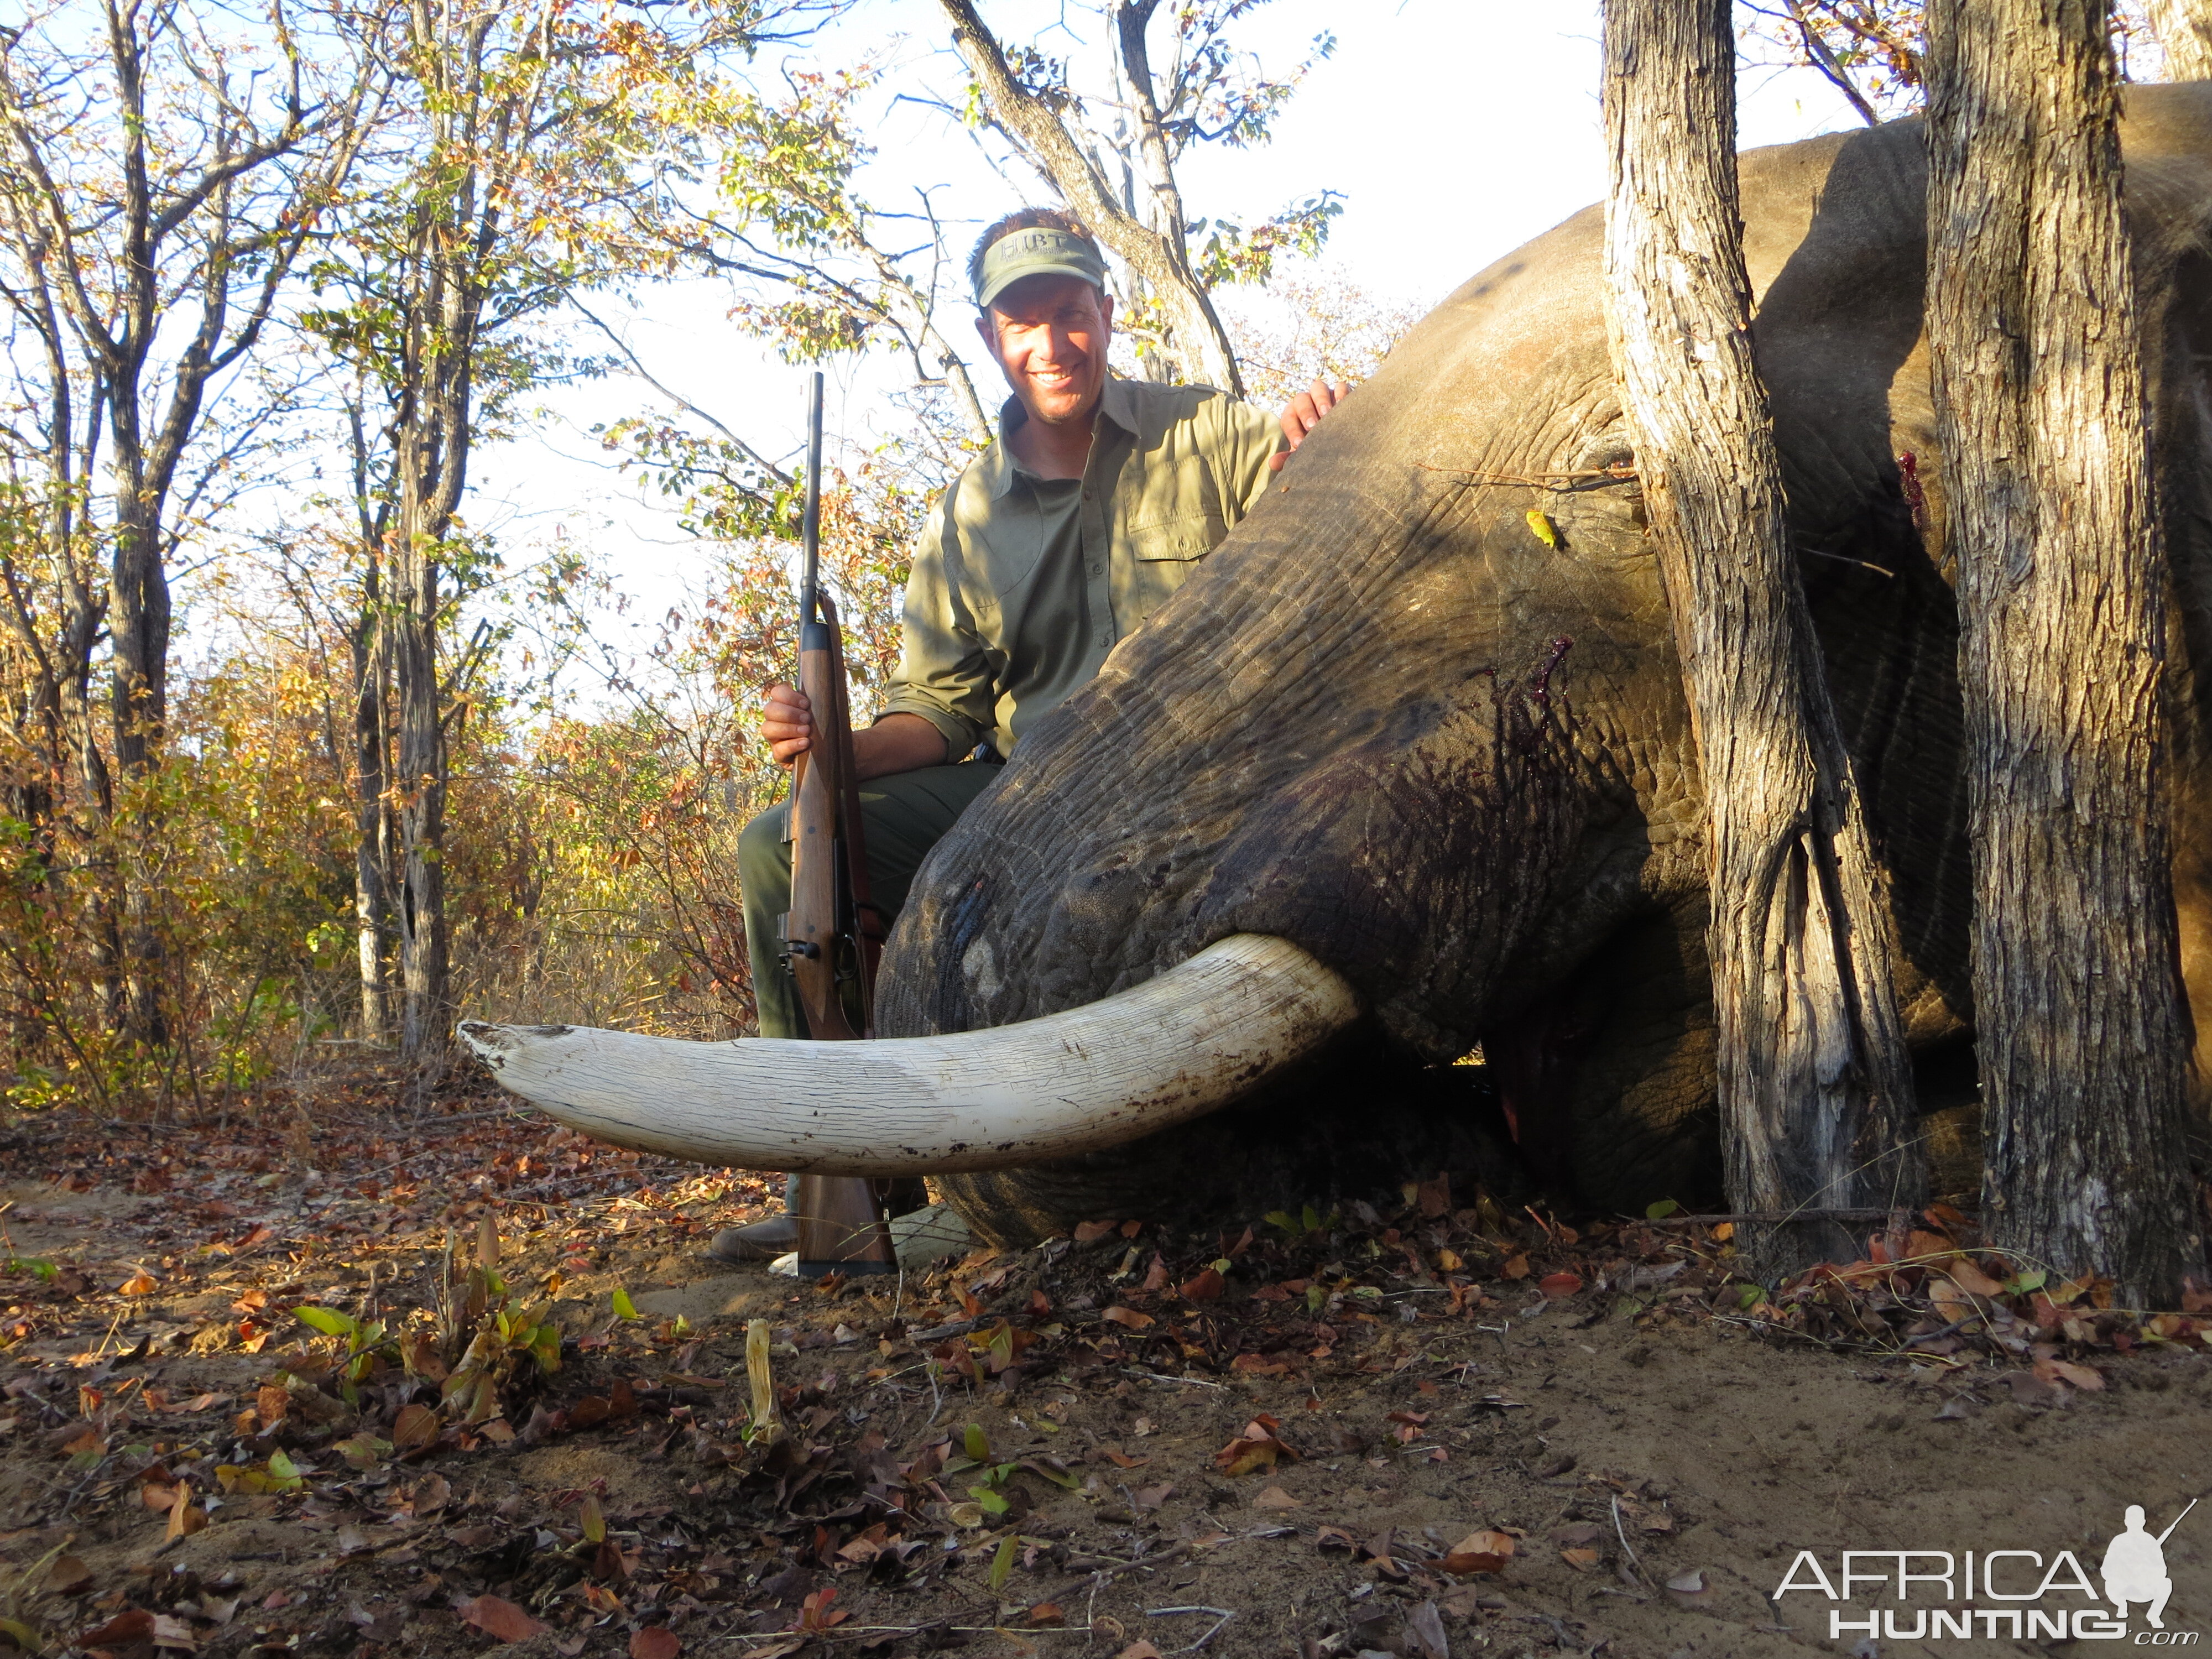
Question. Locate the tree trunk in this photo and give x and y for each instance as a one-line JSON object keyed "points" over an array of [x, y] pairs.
{"points": [[2184, 28], [138, 624], [372, 899], [1198, 343], [1816, 1099], [2036, 340], [421, 792]]}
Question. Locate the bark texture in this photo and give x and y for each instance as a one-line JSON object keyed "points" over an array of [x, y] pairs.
{"points": [[1158, 257], [2184, 28], [2035, 336], [1815, 1085]]}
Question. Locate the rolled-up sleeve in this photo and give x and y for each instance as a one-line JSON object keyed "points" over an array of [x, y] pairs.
{"points": [[944, 673], [1247, 439]]}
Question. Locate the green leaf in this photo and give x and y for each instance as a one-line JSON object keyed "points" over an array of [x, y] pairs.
{"points": [[2021, 1284], [1058, 1477], [283, 1472], [624, 1308], [1002, 1563], [1311, 1217], [364, 1450], [989, 1500], [1284, 1220], [1314, 1297], [329, 1321], [1662, 1210], [977, 1443]]}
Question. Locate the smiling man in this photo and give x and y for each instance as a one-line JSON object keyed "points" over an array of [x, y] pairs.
{"points": [[1097, 501]]}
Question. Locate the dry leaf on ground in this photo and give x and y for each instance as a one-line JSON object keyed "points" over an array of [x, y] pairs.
{"points": [[500, 1619]]}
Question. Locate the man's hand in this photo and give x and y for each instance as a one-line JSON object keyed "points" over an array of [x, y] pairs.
{"points": [[786, 723], [897, 743], [1303, 414]]}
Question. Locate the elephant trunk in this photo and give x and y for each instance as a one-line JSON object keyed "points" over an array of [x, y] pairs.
{"points": [[1178, 1046]]}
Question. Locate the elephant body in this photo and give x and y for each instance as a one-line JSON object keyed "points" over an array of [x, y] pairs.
{"points": [[1388, 722]]}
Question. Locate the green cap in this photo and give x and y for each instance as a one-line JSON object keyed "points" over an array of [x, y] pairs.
{"points": [[1038, 251]]}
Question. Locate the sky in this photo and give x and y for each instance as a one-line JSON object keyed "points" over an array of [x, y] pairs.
{"points": [[1456, 130]]}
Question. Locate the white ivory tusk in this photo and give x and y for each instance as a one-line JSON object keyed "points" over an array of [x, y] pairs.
{"points": [[1175, 1048]]}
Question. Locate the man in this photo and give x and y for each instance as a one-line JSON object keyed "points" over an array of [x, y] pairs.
{"points": [[2135, 1568], [1097, 503]]}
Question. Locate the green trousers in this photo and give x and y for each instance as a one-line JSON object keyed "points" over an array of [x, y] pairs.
{"points": [[901, 817]]}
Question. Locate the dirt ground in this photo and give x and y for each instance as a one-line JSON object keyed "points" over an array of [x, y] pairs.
{"points": [[1426, 1430]]}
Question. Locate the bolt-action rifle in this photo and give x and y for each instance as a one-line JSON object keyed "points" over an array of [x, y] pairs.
{"points": [[833, 934]]}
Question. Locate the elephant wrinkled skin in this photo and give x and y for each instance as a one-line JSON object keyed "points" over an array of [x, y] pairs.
{"points": [[1387, 722]]}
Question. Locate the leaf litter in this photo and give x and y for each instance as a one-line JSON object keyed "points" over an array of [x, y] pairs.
{"points": [[486, 1391]]}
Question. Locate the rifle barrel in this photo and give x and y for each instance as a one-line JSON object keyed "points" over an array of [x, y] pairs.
{"points": [[810, 522], [2177, 1520]]}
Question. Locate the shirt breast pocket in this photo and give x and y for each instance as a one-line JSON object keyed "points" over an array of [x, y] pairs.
{"points": [[1163, 556], [1188, 536]]}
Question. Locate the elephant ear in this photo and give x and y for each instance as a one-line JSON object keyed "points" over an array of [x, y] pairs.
{"points": [[1447, 828]]}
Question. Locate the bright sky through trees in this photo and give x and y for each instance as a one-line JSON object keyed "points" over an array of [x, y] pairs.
{"points": [[1457, 130]]}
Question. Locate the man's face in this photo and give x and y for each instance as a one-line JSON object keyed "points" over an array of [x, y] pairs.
{"points": [[1049, 334]]}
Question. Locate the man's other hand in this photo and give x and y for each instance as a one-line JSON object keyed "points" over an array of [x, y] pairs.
{"points": [[1303, 412], [786, 723]]}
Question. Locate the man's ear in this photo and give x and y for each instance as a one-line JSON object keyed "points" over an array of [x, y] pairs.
{"points": [[990, 334], [1106, 309]]}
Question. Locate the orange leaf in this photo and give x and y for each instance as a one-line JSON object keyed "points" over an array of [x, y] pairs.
{"points": [[2082, 1376], [1085, 1231], [185, 1518], [1478, 1552], [1203, 1287], [136, 1625], [1128, 1316], [1581, 1560], [654, 1642], [1047, 1613], [141, 1283], [415, 1428], [502, 1621], [1971, 1280], [1517, 1268], [1556, 1285]]}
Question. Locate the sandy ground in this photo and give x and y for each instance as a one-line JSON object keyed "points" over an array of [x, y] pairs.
{"points": [[1328, 1449]]}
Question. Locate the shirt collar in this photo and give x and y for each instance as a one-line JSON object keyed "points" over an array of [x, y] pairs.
{"points": [[1117, 402]]}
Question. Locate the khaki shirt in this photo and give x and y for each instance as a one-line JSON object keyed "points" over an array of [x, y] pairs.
{"points": [[1022, 585]]}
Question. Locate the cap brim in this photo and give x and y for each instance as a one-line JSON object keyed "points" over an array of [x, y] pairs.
{"points": [[1004, 279]]}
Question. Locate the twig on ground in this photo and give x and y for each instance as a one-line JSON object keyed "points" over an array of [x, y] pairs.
{"points": [[1621, 1532], [1226, 1614]]}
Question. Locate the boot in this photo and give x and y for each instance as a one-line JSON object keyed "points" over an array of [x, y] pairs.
{"points": [[759, 1240]]}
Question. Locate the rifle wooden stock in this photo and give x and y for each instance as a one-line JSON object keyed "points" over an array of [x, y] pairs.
{"points": [[832, 936], [823, 851]]}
